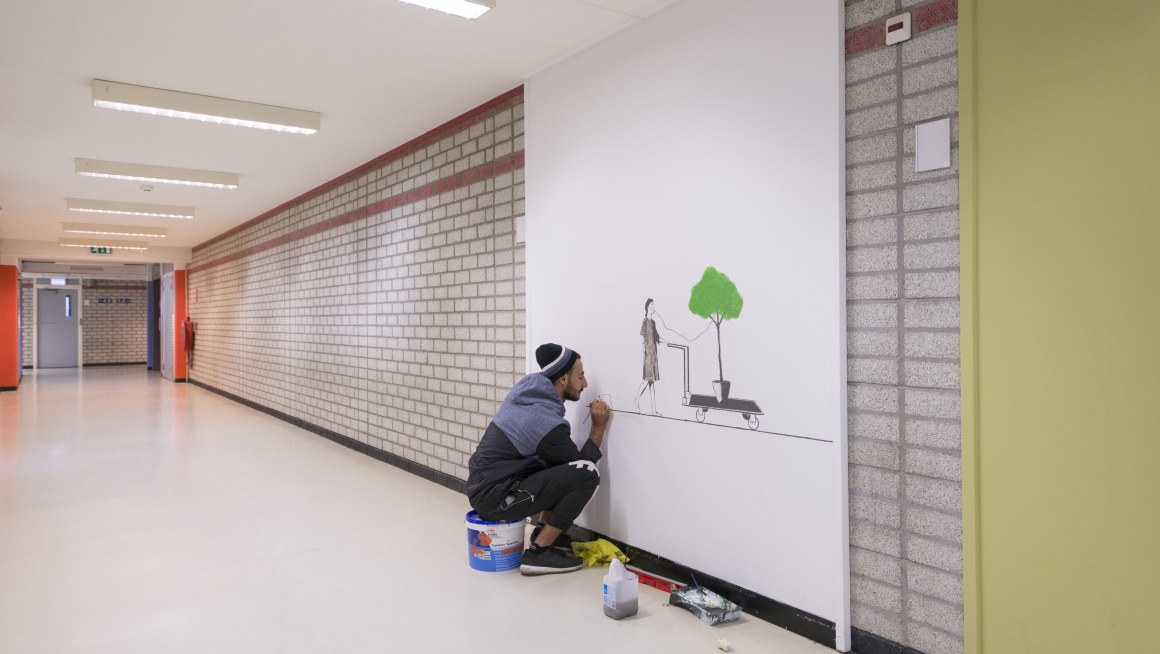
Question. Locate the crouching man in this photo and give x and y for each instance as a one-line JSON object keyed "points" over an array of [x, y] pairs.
{"points": [[527, 464]]}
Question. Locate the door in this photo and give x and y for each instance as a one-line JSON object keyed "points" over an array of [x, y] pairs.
{"points": [[153, 325], [167, 326], [57, 328]]}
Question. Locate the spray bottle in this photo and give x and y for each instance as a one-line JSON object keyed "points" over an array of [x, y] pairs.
{"points": [[620, 589]]}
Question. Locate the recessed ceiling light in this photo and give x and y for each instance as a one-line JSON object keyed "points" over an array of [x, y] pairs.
{"points": [[102, 243], [206, 108], [465, 8], [129, 208], [162, 174], [115, 230]]}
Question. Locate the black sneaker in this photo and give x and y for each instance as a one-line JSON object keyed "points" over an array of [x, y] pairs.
{"points": [[548, 561], [563, 541]]}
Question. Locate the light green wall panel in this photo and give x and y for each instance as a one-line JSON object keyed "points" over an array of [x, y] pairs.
{"points": [[1062, 293]]}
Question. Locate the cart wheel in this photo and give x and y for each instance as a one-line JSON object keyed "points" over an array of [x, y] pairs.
{"points": [[753, 422], [700, 415]]}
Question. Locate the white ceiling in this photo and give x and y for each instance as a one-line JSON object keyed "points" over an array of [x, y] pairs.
{"points": [[380, 72]]}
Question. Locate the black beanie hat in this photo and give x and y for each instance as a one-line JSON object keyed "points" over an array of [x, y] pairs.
{"points": [[555, 360]]}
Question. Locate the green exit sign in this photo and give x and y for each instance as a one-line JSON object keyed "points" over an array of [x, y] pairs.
{"points": [[93, 250]]}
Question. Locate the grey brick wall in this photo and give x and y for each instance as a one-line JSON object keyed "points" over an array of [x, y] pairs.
{"points": [[903, 334], [114, 332], [403, 328]]}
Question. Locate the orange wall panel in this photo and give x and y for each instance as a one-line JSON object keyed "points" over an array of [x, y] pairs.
{"points": [[180, 311], [9, 327]]}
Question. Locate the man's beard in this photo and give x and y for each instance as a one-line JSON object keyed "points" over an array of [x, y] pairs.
{"points": [[573, 395]]}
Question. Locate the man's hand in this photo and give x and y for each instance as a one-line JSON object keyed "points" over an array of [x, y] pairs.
{"points": [[601, 412]]}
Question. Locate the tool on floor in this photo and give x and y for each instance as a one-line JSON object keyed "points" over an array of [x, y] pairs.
{"points": [[697, 585], [708, 606]]}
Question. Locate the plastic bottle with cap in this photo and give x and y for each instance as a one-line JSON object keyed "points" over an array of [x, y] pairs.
{"points": [[620, 591]]}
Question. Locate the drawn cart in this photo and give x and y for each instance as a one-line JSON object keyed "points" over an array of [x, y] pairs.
{"points": [[703, 403], [747, 408]]}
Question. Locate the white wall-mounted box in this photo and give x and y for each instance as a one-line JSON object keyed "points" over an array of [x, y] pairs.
{"points": [[932, 145], [898, 29]]}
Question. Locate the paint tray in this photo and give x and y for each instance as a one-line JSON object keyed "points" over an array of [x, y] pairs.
{"points": [[710, 607]]}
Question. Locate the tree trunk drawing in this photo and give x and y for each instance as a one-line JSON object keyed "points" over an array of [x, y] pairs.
{"points": [[720, 367]]}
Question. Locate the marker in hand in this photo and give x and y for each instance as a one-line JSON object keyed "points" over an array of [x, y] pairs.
{"points": [[599, 398]]}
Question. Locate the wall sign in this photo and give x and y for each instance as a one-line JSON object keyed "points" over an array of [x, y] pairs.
{"points": [[93, 250]]}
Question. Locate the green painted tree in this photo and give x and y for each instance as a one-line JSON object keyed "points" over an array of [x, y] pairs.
{"points": [[716, 298]]}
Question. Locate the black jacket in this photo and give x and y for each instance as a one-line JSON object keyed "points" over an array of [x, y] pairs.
{"points": [[496, 465]]}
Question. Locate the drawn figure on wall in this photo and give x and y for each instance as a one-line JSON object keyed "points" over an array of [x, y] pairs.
{"points": [[650, 339]]}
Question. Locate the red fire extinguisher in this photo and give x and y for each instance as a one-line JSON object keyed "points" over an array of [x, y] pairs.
{"points": [[187, 328]]}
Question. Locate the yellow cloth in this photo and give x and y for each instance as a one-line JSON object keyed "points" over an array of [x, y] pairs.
{"points": [[598, 552]]}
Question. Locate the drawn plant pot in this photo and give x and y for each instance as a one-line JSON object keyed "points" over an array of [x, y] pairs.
{"points": [[721, 390]]}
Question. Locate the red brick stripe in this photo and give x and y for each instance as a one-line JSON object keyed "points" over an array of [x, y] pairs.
{"points": [[926, 17], [482, 112], [465, 178]]}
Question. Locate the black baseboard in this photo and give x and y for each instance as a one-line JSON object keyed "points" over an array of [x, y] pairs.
{"points": [[864, 642], [180, 380], [785, 616], [103, 365], [9, 388], [430, 474], [29, 367]]}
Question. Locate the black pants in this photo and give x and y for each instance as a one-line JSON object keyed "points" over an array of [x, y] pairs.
{"points": [[564, 490]]}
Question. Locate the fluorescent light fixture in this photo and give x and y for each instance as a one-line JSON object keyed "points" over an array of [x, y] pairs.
{"points": [[57, 281], [129, 208], [206, 108], [161, 174], [115, 230], [102, 243], [465, 8]]}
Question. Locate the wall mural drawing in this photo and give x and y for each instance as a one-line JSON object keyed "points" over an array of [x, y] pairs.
{"points": [[714, 298]]}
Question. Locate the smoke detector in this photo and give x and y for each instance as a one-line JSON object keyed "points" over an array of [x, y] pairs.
{"points": [[146, 187]]}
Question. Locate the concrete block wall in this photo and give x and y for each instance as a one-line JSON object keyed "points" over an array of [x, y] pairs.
{"points": [[387, 306], [114, 332], [26, 324], [903, 332]]}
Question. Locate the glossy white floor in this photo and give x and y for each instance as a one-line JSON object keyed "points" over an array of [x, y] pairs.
{"points": [[137, 515]]}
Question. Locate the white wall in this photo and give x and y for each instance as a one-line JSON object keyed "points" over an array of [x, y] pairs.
{"points": [[709, 135]]}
